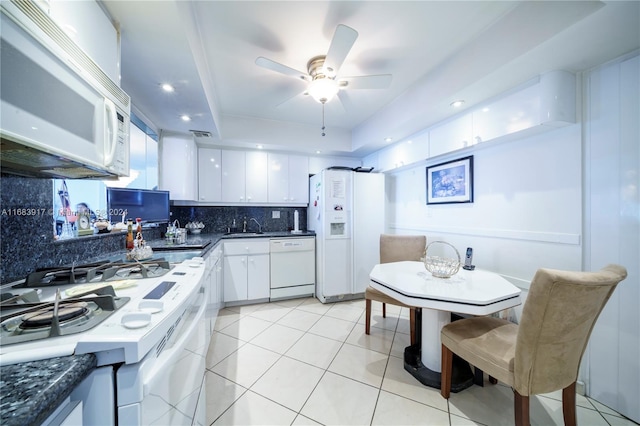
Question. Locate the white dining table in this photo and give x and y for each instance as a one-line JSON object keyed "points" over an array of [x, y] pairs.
{"points": [[478, 292]]}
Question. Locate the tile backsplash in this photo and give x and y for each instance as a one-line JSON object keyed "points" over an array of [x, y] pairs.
{"points": [[26, 227]]}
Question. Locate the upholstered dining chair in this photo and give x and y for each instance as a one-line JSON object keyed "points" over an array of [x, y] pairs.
{"points": [[395, 248], [542, 354]]}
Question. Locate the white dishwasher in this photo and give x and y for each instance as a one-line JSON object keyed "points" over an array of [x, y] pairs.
{"points": [[293, 267]]}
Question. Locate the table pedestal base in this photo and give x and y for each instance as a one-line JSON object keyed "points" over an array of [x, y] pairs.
{"points": [[462, 377]]}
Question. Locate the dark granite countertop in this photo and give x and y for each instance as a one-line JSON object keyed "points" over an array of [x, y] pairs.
{"points": [[31, 391], [206, 241]]}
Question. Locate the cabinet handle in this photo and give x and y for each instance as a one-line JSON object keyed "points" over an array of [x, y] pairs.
{"points": [[241, 198], [248, 198]]}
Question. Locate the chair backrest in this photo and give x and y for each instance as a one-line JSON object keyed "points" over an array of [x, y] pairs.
{"points": [[557, 318], [397, 248]]}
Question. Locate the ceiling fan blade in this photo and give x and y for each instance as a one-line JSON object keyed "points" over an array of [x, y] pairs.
{"points": [[381, 81], [283, 69], [345, 101], [290, 98], [341, 44]]}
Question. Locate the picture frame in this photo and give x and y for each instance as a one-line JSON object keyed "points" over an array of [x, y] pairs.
{"points": [[450, 182]]}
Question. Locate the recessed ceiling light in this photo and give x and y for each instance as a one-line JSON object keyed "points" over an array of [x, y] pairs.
{"points": [[318, 152], [409, 142], [167, 87], [457, 104], [185, 117], [485, 109], [388, 139], [259, 146]]}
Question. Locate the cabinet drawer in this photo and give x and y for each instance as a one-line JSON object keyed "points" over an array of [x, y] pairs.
{"points": [[234, 248]]}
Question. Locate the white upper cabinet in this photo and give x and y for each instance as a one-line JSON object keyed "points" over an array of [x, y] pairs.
{"points": [[511, 114], [178, 166], [453, 135], [91, 29], [244, 177], [298, 179], [256, 177], [233, 176], [288, 179], [209, 174]]}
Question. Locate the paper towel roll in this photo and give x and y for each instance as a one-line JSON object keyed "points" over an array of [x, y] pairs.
{"points": [[296, 219]]}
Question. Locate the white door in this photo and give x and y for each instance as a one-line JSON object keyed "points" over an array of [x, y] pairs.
{"points": [[612, 231]]}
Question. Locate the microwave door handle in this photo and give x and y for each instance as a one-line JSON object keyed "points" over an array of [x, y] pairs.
{"points": [[111, 133]]}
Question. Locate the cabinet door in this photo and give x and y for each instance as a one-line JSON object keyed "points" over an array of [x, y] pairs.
{"points": [[451, 136], [179, 166], [258, 276], [233, 176], [209, 174], [298, 179], [93, 31], [235, 278], [278, 178], [256, 177]]}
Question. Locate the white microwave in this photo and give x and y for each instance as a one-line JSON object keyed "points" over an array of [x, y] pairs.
{"points": [[60, 114]]}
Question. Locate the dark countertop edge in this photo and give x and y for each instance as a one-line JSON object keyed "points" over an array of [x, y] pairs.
{"points": [[24, 401]]}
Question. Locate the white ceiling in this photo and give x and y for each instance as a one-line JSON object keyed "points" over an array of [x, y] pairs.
{"points": [[437, 51]]}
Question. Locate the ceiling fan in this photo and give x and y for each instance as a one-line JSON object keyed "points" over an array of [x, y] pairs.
{"points": [[323, 70]]}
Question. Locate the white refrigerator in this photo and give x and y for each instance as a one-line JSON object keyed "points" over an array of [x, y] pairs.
{"points": [[346, 211]]}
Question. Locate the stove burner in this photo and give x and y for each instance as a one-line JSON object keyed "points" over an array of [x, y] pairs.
{"points": [[45, 320], [96, 272], [44, 317]]}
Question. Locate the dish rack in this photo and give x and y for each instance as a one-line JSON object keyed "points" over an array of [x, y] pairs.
{"points": [[442, 267]]}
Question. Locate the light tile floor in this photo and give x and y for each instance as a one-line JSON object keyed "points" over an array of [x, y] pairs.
{"points": [[300, 362]]}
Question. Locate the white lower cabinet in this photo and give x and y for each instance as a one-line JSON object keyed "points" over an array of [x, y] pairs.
{"points": [[246, 270], [213, 276]]}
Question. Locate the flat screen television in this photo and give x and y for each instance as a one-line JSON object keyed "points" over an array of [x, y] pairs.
{"points": [[150, 206]]}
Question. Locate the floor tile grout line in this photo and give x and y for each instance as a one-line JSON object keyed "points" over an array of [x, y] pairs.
{"points": [[342, 345]]}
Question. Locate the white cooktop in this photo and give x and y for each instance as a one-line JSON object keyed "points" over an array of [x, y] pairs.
{"points": [[129, 333]]}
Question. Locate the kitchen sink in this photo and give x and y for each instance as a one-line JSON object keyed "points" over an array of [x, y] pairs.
{"points": [[243, 234]]}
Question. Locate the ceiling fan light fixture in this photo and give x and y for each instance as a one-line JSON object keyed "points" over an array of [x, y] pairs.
{"points": [[323, 89]]}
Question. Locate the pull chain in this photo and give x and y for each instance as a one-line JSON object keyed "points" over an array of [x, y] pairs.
{"points": [[323, 134]]}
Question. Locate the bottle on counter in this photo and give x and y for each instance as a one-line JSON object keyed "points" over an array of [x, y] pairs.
{"points": [[139, 226], [129, 235]]}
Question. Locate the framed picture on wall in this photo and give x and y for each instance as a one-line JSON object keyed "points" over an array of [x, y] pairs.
{"points": [[450, 182]]}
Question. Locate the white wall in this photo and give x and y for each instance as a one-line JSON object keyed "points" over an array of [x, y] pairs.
{"points": [[612, 231], [566, 199], [526, 212]]}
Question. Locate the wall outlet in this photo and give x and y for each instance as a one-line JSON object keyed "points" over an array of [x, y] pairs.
{"points": [[275, 214]]}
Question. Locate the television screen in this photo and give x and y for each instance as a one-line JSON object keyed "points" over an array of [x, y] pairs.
{"points": [[150, 206]]}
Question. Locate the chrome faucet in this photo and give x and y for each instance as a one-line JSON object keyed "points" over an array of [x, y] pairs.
{"points": [[259, 226]]}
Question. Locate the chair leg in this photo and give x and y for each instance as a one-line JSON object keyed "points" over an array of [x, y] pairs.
{"points": [[412, 325], [367, 321], [569, 405], [384, 310], [447, 367], [521, 409]]}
